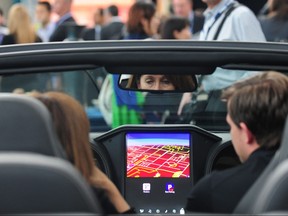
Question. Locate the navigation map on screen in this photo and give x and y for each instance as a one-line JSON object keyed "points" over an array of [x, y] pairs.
{"points": [[158, 155]]}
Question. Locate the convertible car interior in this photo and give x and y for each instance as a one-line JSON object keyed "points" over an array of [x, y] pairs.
{"points": [[153, 164]]}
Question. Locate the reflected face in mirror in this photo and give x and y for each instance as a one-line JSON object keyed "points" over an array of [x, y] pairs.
{"points": [[158, 82], [155, 82]]}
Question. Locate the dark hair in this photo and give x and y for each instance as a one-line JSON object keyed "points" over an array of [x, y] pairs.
{"points": [[138, 11], [173, 24], [1, 12], [101, 11], [260, 102], [281, 8], [46, 4], [113, 10], [180, 82]]}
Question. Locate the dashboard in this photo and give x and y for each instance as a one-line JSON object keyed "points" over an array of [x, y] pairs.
{"points": [[156, 166]]}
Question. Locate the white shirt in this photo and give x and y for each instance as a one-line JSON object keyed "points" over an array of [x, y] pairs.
{"points": [[45, 32], [240, 25], [97, 32]]}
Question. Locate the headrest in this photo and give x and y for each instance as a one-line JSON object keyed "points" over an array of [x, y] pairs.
{"points": [[274, 194], [26, 125], [33, 183], [247, 203]]}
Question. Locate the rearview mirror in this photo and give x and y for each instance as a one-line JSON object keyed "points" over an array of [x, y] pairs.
{"points": [[158, 82]]}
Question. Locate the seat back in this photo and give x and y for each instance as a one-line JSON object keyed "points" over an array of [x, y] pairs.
{"points": [[274, 194], [248, 202], [26, 126], [33, 183]]}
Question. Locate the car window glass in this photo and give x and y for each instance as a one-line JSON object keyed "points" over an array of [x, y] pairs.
{"points": [[83, 85], [108, 106]]}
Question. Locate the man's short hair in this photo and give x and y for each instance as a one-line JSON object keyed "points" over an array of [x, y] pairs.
{"points": [[113, 10], [261, 102], [46, 4]]}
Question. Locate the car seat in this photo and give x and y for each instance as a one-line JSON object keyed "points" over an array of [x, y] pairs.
{"points": [[33, 183], [247, 205], [274, 194], [26, 126]]}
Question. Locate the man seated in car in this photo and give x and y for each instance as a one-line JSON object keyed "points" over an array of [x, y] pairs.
{"points": [[257, 109]]}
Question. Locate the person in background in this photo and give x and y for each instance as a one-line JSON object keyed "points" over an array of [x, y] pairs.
{"points": [[3, 28], [65, 26], [43, 16], [72, 127], [230, 21], [235, 17], [184, 8], [275, 24], [21, 29], [113, 30], [257, 111], [225, 20], [2, 19], [95, 33], [140, 17], [176, 28]]}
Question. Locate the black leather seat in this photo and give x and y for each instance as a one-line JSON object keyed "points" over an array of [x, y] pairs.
{"points": [[33, 183], [274, 195], [26, 126], [248, 202]]}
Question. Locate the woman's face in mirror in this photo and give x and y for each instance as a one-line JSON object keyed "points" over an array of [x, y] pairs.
{"points": [[155, 82]]}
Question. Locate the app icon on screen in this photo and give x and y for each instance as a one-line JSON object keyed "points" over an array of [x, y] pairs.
{"points": [[169, 188], [146, 187]]}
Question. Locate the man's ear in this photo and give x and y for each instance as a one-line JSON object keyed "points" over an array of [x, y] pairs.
{"points": [[248, 135]]}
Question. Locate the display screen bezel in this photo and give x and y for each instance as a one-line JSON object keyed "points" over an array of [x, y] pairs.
{"points": [[158, 199]]}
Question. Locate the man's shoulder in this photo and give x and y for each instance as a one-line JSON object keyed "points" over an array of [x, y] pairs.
{"points": [[68, 21], [220, 177], [242, 10], [247, 171]]}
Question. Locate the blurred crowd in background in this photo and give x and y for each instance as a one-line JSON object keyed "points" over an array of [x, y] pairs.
{"points": [[32, 21], [146, 19]]}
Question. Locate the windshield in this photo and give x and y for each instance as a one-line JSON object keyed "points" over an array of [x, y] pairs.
{"points": [[108, 106]]}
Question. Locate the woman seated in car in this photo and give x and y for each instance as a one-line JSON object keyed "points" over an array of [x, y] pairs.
{"points": [[72, 127]]}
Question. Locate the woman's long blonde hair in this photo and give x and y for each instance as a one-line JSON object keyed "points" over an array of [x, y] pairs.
{"points": [[19, 25]]}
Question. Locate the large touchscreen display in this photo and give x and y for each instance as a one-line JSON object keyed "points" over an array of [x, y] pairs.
{"points": [[158, 171], [159, 155]]}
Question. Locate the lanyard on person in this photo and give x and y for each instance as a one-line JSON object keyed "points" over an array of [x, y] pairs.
{"points": [[218, 15]]}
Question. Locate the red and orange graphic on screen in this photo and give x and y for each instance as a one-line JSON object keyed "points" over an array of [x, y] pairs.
{"points": [[158, 155]]}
